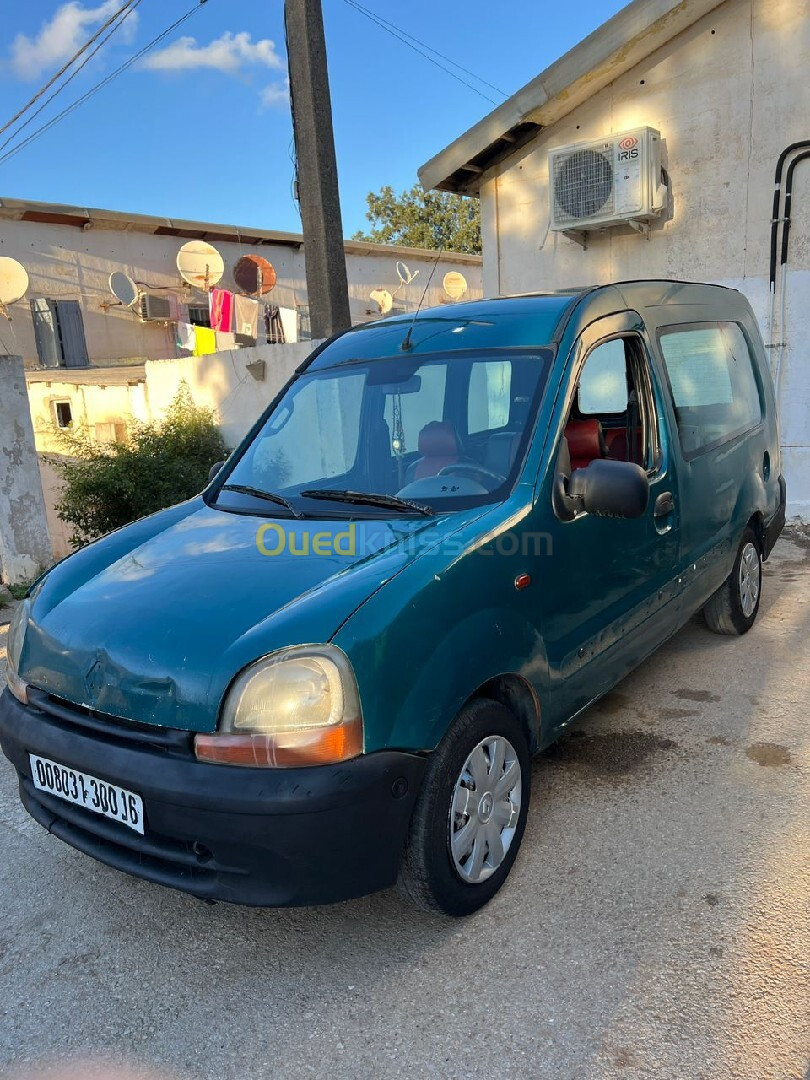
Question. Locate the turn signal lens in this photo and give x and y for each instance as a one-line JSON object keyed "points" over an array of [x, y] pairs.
{"points": [[16, 685], [288, 750]]}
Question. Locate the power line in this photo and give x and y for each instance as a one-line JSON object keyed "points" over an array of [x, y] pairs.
{"points": [[130, 7], [420, 47], [64, 68], [100, 86]]}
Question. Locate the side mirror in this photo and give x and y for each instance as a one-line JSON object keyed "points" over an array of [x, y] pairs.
{"points": [[610, 488], [214, 470]]}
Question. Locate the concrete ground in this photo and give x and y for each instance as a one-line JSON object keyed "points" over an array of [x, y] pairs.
{"points": [[656, 924]]}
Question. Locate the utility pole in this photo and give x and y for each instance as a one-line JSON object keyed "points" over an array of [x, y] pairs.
{"points": [[325, 257]]}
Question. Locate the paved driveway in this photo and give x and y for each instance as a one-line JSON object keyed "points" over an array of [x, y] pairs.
{"points": [[656, 923]]}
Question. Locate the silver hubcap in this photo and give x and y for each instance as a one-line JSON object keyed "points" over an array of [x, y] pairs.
{"points": [[485, 809], [749, 582]]}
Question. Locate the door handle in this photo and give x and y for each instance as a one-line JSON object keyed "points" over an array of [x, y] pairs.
{"points": [[664, 504]]}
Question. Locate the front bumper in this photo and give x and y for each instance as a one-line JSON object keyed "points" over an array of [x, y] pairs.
{"points": [[251, 836]]}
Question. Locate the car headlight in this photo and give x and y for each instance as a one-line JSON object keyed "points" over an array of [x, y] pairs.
{"points": [[297, 707], [14, 646]]}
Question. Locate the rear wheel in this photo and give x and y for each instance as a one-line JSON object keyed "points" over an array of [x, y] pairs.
{"points": [[471, 813], [733, 608]]}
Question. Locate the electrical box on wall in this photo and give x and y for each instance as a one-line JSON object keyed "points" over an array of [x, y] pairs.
{"points": [[603, 182]]}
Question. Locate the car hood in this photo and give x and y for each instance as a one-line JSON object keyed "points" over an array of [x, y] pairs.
{"points": [[152, 622]]}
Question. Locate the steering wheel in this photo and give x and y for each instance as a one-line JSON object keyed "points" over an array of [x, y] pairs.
{"points": [[467, 468]]}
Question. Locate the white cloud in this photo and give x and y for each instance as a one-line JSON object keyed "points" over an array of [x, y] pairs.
{"points": [[229, 53], [275, 94], [62, 36]]}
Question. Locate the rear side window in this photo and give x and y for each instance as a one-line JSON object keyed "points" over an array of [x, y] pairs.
{"points": [[714, 388]]}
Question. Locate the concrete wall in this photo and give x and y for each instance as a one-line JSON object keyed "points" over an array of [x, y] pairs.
{"points": [[102, 401], [727, 96], [120, 396], [25, 547], [223, 383], [67, 263]]}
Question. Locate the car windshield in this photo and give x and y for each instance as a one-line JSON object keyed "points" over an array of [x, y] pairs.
{"points": [[399, 435]]}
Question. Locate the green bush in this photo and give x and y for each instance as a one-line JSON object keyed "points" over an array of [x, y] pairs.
{"points": [[162, 463]]}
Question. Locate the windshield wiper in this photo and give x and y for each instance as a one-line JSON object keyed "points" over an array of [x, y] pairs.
{"points": [[370, 498], [268, 496]]}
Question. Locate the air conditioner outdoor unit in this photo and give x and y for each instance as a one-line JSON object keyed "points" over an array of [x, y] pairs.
{"points": [[604, 182], [153, 308]]}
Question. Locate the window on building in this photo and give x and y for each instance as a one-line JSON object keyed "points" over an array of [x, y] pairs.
{"points": [[714, 388], [304, 325], [199, 315], [59, 333], [111, 431], [63, 414]]}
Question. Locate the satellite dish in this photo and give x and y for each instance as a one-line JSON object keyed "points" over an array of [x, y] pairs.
{"points": [[455, 284], [404, 274], [200, 264], [383, 299], [13, 281], [123, 288], [254, 275]]}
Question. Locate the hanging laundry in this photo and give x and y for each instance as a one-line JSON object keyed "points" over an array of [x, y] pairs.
{"points": [[185, 336], [291, 321], [273, 325], [225, 341], [221, 304], [246, 316], [205, 341]]}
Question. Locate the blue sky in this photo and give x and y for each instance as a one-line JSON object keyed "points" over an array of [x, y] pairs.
{"points": [[201, 129]]}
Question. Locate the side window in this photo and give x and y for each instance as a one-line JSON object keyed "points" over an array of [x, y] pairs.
{"points": [[714, 389], [613, 413], [406, 414], [489, 396], [603, 383]]}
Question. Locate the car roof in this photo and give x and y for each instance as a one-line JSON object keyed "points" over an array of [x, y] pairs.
{"points": [[532, 319]]}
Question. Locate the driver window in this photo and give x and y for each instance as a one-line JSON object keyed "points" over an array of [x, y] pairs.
{"points": [[603, 383], [613, 415]]}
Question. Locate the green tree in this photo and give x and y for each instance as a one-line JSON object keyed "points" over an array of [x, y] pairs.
{"points": [[162, 463], [417, 218]]}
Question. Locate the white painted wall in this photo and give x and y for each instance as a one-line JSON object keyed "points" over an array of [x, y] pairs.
{"points": [[222, 382], [67, 263], [727, 96]]}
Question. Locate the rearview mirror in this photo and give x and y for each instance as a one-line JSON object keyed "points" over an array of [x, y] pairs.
{"points": [[214, 470], [610, 488]]}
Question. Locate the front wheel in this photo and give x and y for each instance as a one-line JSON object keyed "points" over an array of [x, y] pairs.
{"points": [[471, 813], [733, 608]]}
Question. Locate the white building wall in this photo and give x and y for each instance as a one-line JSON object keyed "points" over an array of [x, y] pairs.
{"points": [[222, 382], [65, 262], [727, 96]]}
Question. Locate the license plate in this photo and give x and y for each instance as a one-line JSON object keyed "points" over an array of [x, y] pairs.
{"points": [[88, 791]]}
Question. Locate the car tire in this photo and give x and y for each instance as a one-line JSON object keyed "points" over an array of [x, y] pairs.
{"points": [[734, 607], [485, 752]]}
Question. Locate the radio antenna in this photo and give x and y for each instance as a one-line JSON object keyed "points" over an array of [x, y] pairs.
{"points": [[407, 344]]}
